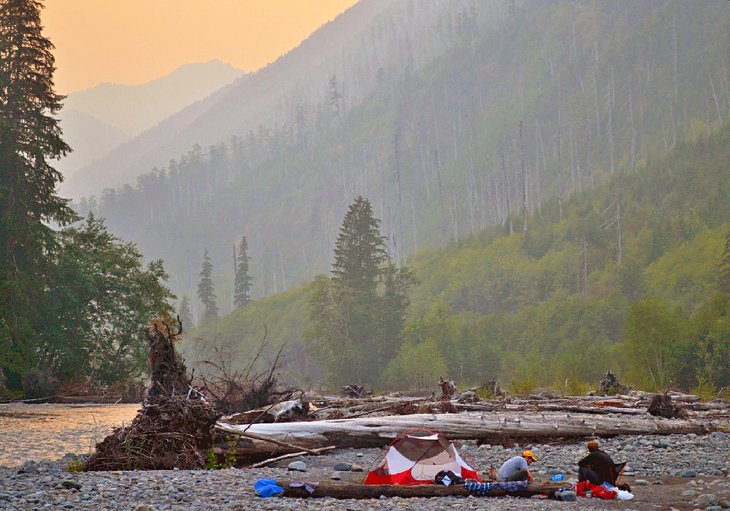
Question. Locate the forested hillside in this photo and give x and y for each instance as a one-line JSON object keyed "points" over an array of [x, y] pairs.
{"points": [[465, 112], [98, 119], [632, 275]]}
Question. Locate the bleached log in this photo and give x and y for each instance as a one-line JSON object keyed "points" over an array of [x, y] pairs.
{"points": [[361, 491], [491, 428]]}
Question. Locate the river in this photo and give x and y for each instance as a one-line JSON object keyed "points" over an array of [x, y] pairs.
{"points": [[49, 431]]}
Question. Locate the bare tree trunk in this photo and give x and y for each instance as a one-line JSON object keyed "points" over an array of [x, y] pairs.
{"points": [[632, 152], [717, 104], [618, 231], [585, 268], [525, 208], [507, 189], [441, 194], [413, 218]]}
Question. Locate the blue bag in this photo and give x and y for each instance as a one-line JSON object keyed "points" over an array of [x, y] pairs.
{"points": [[267, 488]]}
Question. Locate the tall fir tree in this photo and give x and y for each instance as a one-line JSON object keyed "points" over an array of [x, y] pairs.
{"points": [[186, 316], [357, 313], [29, 137], [206, 293], [244, 281]]}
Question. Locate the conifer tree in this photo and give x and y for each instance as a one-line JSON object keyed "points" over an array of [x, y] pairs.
{"points": [[186, 316], [29, 138], [243, 282], [358, 313], [206, 293]]}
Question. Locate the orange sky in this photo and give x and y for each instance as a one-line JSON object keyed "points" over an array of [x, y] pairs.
{"points": [[134, 41]]}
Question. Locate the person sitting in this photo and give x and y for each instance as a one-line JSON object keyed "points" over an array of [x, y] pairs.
{"points": [[597, 467], [516, 469]]}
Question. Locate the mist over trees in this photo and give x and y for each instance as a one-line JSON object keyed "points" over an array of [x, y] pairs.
{"points": [[555, 307], [423, 117]]}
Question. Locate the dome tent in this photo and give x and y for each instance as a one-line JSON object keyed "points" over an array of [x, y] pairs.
{"points": [[416, 459]]}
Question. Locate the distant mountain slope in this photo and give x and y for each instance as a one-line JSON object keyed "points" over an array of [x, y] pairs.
{"points": [[243, 105], [89, 138], [136, 108], [97, 120], [450, 117]]}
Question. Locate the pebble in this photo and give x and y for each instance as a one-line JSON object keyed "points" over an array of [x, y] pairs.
{"points": [[706, 500], [231, 489]]}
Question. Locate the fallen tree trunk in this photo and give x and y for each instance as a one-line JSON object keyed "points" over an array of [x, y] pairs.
{"points": [[490, 428], [361, 491]]}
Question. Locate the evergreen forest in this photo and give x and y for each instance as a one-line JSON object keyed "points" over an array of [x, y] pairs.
{"points": [[532, 192]]}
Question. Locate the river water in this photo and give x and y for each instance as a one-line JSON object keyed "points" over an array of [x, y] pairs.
{"points": [[49, 431]]}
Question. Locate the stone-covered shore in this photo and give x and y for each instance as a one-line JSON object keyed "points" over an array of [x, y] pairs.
{"points": [[679, 471]]}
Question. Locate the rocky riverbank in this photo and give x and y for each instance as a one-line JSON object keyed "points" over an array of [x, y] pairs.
{"points": [[680, 471]]}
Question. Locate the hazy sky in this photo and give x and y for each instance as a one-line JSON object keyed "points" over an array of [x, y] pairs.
{"points": [[134, 41]]}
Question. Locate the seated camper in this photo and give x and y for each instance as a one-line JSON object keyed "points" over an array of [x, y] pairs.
{"points": [[598, 467], [516, 469]]}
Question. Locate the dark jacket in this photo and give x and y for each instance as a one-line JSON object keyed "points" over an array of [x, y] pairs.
{"points": [[600, 463]]}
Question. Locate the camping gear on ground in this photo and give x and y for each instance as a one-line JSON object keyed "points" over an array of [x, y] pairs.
{"points": [[447, 477], [605, 491], [412, 459], [476, 488], [267, 488]]}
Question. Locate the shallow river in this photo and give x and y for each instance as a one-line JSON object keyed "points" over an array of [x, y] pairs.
{"points": [[36, 432]]}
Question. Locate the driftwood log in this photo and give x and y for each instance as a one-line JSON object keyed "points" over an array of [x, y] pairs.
{"points": [[490, 428], [361, 491]]}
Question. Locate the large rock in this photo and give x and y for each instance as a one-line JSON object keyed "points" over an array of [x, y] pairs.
{"points": [[297, 466]]}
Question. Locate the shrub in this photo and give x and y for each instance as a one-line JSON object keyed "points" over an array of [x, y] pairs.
{"points": [[523, 386], [37, 383]]}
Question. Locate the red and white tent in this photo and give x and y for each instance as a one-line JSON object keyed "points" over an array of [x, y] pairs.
{"points": [[415, 459]]}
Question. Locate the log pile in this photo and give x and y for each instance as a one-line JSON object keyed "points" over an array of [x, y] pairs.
{"points": [[375, 421]]}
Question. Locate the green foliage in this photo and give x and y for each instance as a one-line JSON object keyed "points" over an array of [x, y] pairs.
{"points": [[76, 465], [357, 314], [653, 332], [723, 279], [523, 386], [229, 457], [206, 293], [186, 316], [103, 299], [705, 390], [29, 138], [243, 280], [73, 303], [416, 367], [211, 460]]}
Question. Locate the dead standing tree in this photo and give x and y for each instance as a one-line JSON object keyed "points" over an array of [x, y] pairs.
{"points": [[169, 375]]}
